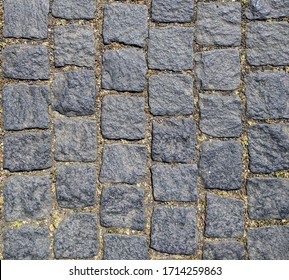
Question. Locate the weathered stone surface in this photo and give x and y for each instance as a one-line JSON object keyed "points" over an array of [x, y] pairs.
{"points": [[268, 198], [124, 247], [25, 106], [26, 18], [76, 185], [221, 165], [26, 62], [268, 147], [76, 237], [221, 115], [124, 70], [74, 93], [172, 10], [123, 117], [171, 94], [122, 206], [27, 151], [224, 216], [268, 243], [125, 23], [174, 140], [74, 45], [75, 140], [170, 48], [219, 24], [218, 69], [267, 95], [175, 183], [123, 163], [174, 230], [27, 197], [28, 242], [267, 43]]}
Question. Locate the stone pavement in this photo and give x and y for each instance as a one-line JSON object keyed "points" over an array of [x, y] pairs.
{"points": [[145, 129]]}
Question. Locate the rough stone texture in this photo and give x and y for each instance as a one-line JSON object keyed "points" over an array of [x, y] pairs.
{"points": [[26, 62], [27, 197], [122, 206], [170, 48], [76, 185], [267, 43], [174, 230], [74, 93], [224, 250], [123, 117], [224, 216], [125, 23], [268, 243], [27, 151], [268, 198], [219, 24], [28, 242], [76, 237], [221, 165], [124, 247], [75, 140], [171, 94], [268, 147], [123, 163], [267, 95], [74, 9], [124, 70], [175, 183], [26, 18], [172, 10], [25, 106], [74, 45], [174, 140], [221, 115]]}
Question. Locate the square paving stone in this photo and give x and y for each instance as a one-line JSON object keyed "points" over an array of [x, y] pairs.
{"points": [[124, 70], [267, 95], [74, 93], [171, 95], [175, 183], [218, 69], [224, 216], [268, 147], [123, 163], [27, 151], [170, 48], [26, 18], [25, 106], [219, 24], [174, 230], [125, 23], [123, 117], [174, 140], [27, 197], [267, 43], [221, 115], [74, 45], [75, 140], [76, 237], [125, 247], [28, 242], [268, 243], [122, 206], [76, 185], [268, 198], [26, 62], [221, 165]]}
